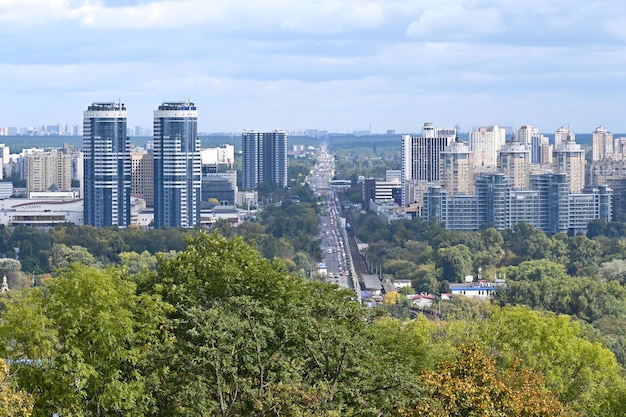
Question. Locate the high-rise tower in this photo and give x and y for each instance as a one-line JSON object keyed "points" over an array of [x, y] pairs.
{"points": [[106, 148], [177, 165], [569, 158], [264, 158], [485, 142], [457, 172], [421, 159], [514, 162], [525, 134], [602, 144], [562, 135]]}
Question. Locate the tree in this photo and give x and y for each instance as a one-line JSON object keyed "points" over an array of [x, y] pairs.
{"points": [[455, 262], [583, 252], [536, 271], [613, 270], [475, 387], [244, 332], [86, 340], [138, 262], [9, 265], [63, 256], [582, 373], [13, 403]]}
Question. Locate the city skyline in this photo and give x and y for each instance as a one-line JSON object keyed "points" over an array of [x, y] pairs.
{"points": [[339, 66]]}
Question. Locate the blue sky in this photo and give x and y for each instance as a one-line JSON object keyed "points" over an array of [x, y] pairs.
{"points": [[339, 65]]}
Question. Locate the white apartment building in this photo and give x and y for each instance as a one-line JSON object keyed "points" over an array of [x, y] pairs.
{"points": [[601, 144], [485, 142], [48, 171]]}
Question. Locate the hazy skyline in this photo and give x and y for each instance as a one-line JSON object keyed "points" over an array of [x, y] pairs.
{"points": [[339, 65]]}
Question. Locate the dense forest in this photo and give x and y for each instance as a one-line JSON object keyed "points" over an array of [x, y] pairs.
{"points": [[217, 329]]}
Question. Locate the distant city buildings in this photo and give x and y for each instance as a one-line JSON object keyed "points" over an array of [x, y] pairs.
{"points": [[177, 165], [526, 179], [602, 146], [463, 185], [49, 171], [421, 159], [563, 135], [264, 158], [221, 155], [514, 162], [107, 165], [569, 158], [548, 205], [485, 142], [142, 175], [457, 170]]}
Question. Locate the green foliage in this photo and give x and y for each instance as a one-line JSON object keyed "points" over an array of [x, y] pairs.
{"points": [[85, 341], [537, 271], [584, 374], [9, 265], [455, 263], [217, 329], [63, 256], [244, 332], [138, 262]]}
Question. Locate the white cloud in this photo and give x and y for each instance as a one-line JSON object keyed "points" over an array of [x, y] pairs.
{"points": [[455, 23]]}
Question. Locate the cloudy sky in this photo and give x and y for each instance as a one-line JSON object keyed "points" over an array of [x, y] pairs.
{"points": [[339, 65]]}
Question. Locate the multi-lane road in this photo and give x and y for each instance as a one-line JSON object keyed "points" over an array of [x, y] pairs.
{"points": [[332, 240]]}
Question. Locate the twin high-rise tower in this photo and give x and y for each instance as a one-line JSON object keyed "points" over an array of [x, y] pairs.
{"points": [[107, 163], [177, 165], [106, 148]]}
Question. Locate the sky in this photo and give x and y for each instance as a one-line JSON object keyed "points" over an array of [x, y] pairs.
{"points": [[339, 65]]}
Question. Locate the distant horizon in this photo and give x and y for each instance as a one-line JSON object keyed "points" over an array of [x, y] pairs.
{"points": [[213, 139]]}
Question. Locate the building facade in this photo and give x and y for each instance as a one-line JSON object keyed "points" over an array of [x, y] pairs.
{"points": [[562, 135], [549, 206], [485, 142], [457, 171], [177, 165], [421, 159], [601, 144], [48, 171], [569, 158], [514, 162], [611, 172], [525, 134], [142, 175], [264, 158], [106, 152]]}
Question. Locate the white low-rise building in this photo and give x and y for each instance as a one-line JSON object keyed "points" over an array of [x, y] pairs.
{"points": [[481, 289], [40, 213]]}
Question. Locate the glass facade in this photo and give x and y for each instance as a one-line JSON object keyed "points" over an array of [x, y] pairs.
{"points": [[264, 158], [177, 165], [107, 182]]}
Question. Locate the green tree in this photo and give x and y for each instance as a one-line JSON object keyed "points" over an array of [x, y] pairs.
{"points": [[455, 262], [614, 270], [9, 265], [138, 262], [245, 332], [87, 340], [63, 255], [536, 271], [583, 252], [582, 373]]}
